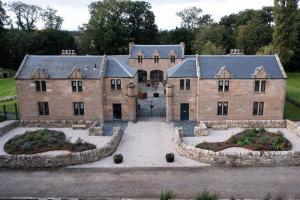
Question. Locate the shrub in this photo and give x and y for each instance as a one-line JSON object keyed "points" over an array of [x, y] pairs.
{"points": [[118, 158], [166, 195], [205, 195], [170, 157]]}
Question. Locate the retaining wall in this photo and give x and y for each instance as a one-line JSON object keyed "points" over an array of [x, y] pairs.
{"points": [[49, 161], [7, 126], [256, 158], [246, 123]]}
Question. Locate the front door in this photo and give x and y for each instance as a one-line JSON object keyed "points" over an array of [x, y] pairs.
{"points": [[117, 111], [184, 111]]}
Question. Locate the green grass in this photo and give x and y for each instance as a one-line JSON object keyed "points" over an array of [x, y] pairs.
{"points": [[293, 86], [7, 87], [291, 112]]}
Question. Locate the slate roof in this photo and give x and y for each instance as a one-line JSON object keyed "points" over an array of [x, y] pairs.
{"points": [[60, 67], [164, 50], [117, 66], [187, 68], [241, 66]]}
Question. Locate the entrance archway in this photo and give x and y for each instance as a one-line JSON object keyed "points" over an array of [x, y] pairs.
{"points": [[142, 76], [157, 76]]}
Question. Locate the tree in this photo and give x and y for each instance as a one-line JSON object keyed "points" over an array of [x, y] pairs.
{"points": [[253, 35], [214, 33], [4, 20], [210, 49], [284, 37], [3, 17], [51, 19], [26, 15]]}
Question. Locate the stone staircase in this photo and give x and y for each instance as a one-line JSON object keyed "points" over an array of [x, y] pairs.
{"points": [[187, 127], [108, 126]]}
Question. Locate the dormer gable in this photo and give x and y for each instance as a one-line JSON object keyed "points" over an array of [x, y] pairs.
{"points": [[139, 53], [172, 53], [156, 53], [260, 73], [224, 73], [76, 74], [40, 73]]}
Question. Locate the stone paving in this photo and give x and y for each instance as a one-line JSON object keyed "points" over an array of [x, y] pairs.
{"points": [[145, 144]]}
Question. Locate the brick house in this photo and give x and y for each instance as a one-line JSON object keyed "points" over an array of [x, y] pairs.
{"points": [[105, 88]]}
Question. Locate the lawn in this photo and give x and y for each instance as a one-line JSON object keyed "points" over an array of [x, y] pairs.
{"points": [[293, 86], [7, 87]]}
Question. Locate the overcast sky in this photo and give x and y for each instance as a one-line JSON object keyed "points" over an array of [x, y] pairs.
{"points": [[75, 12]]}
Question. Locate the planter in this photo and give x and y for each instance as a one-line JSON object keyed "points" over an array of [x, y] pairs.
{"points": [[118, 158], [170, 157], [142, 95], [156, 94]]}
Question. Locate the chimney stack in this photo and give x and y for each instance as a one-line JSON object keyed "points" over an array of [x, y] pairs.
{"points": [[68, 52], [236, 52], [130, 46]]}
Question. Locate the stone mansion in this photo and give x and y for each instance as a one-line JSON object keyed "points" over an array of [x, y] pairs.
{"points": [[194, 87]]}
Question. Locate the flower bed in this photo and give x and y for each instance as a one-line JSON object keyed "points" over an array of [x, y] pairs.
{"points": [[253, 139], [32, 142]]}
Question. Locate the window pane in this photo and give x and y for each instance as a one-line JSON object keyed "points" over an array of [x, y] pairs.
{"points": [[46, 108], [187, 84], [255, 108], [263, 86], [225, 108], [219, 108], [256, 88], [43, 86], [261, 108], [220, 88], [81, 108], [75, 108], [37, 86], [74, 86], [118, 84], [226, 86], [79, 83], [113, 84], [181, 84], [41, 108]]}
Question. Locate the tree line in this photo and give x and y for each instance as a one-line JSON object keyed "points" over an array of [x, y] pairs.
{"points": [[115, 23]]}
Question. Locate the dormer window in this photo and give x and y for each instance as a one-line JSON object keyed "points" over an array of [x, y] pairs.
{"points": [[173, 58], [156, 59], [140, 59]]}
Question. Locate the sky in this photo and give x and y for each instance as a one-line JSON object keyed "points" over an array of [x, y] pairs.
{"points": [[75, 12]]}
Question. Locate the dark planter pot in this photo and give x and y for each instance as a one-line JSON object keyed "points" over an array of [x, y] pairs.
{"points": [[170, 157], [118, 158], [156, 94]]}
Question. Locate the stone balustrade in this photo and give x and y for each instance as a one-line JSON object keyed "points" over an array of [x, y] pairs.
{"points": [[256, 158]]}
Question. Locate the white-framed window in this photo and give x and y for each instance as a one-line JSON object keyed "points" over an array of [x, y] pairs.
{"points": [[140, 59], [78, 108], [116, 84], [173, 59], [222, 108], [185, 84], [258, 108], [156, 59], [40, 86], [76, 86], [260, 85], [223, 86]]}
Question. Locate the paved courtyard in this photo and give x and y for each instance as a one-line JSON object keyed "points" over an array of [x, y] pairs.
{"points": [[145, 144]]}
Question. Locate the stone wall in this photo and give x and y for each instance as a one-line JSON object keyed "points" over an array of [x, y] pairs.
{"points": [[7, 126], [293, 127], [48, 161], [246, 124], [256, 158]]}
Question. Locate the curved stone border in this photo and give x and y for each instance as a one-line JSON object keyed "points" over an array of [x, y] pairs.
{"points": [[256, 158], [7, 126], [49, 161]]}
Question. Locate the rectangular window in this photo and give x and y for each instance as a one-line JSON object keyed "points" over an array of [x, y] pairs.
{"points": [[185, 84], [40, 86], [260, 86], [140, 59], [77, 86], [222, 108], [118, 84], [223, 86], [113, 84], [172, 59], [43, 108], [156, 59], [181, 84], [78, 108], [258, 108]]}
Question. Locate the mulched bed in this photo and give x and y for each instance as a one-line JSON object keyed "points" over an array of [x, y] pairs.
{"points": [[32, 142], [252, 139]]}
